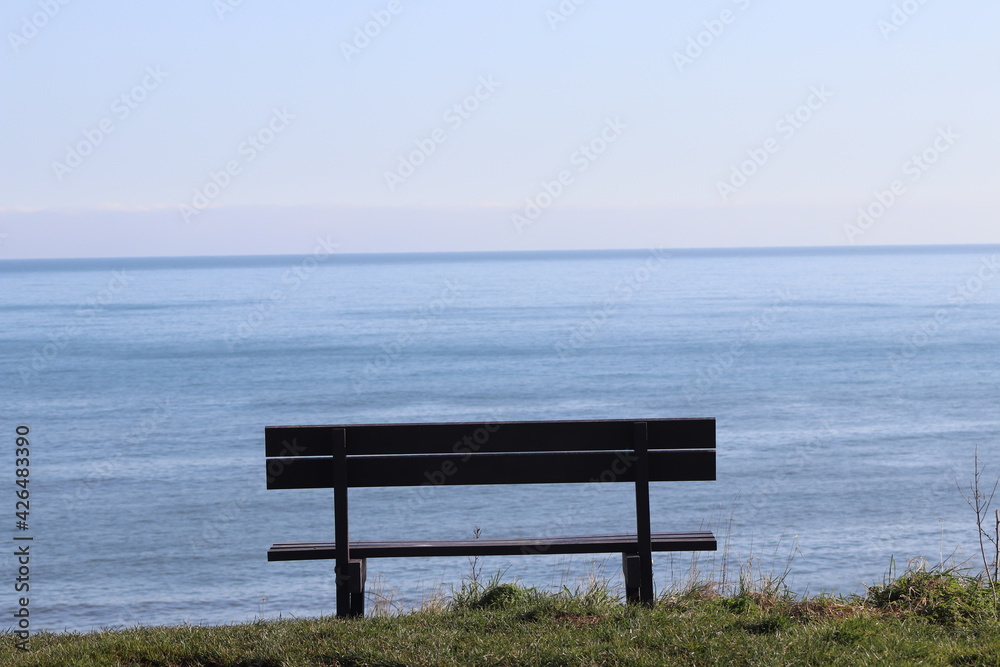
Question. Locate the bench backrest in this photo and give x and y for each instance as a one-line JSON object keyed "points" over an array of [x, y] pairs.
{"points": [[360, 455]]}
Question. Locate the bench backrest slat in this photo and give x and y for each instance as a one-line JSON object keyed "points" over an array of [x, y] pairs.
{"points": [[482, 437], [457, 469]]}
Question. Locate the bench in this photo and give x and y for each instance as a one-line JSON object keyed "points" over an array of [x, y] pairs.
{"points": [[341, 457]]}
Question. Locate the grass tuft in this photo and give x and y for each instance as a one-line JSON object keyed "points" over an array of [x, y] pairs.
{"points": [[945, 596]]}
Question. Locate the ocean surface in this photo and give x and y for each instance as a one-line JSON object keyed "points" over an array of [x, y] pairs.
{"points": [[851, 389]]}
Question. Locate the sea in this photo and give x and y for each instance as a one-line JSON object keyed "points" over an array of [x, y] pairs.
{"points": [[856, 390]]}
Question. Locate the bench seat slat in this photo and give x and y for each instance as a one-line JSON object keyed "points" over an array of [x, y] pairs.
{"points": [[678, 541], [455, 469], [548, 436]]}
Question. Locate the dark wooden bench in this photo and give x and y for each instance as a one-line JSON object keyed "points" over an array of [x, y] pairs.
{"points": [[540, 452]]}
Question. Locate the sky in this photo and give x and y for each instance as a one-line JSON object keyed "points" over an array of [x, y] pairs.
{"points": [[221, 127]]}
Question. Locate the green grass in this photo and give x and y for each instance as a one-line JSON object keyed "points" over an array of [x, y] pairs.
{"points": [[936, 617]]}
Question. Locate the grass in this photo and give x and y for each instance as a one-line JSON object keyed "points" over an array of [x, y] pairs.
{"points": [[934, 617], [937, 616]]}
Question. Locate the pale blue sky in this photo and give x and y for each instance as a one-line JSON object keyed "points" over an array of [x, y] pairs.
{"points": [[673, 130]]}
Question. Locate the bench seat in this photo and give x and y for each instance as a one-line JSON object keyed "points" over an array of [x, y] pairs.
{"points": [[691, 541]]}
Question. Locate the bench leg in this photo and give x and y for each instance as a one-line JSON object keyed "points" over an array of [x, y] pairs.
{"points": [[635, 577], [646, 595], [630, 568], [351, 589], [359, 574]]}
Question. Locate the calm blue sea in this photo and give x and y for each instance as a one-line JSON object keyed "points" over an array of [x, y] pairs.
{"points": [[851, 388]]}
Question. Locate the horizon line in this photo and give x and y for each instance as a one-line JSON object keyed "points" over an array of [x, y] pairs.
{"points": [[462, 254]]}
